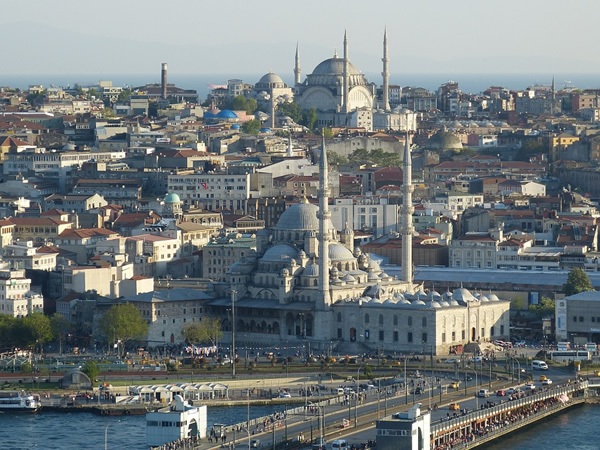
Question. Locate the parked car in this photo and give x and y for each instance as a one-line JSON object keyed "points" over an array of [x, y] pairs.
{"points": [[255, 443]]}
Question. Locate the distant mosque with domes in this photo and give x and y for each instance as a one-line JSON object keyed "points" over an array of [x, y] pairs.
{"points": [[340, 94]]}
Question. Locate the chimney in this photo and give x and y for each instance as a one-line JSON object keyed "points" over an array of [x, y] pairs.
{"points": [[163, 81]]}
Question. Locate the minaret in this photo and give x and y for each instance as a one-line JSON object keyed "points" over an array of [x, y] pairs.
{"points": [[297, 71], [324, 301], [385, 74], [346, 70], [553, 96], [406, 214]]}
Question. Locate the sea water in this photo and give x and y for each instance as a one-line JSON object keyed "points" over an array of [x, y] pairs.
{"points": [[575, 429]]}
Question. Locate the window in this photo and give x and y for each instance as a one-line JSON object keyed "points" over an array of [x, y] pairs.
{"points": [[581, 318], [380, 319], [410, 321], [502, 330], [574, 318], [395, 320], [492, 332], [367, 335], [339, 317], [443, 337], [339, 333], [424, 321], [424, 337], [366, 318], [381, 335], [409, 337], [453, 336], [395, 336]]}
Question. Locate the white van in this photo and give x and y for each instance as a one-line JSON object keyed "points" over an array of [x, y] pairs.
{"points": [[483, 393], [539, 365], [339, 444]]}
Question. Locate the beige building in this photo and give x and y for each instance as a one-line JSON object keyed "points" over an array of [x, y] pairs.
{"points": [[16, 297]]}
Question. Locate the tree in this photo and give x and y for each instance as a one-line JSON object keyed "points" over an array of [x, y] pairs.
{"points": [[327, 133], [251, 126], [206, 331], [38, 329], [577, 282], [544, 308], [335, 159], [292, 110], [60, 327], [518, 303], [309, 118], [91, 369], [123, 323]]}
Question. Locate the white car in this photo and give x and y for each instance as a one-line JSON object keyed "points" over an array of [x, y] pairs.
{"points": [[547, 382], [285, 395], [530, 386]]}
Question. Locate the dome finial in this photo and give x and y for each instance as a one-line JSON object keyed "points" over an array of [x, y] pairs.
{"points": [[335, 55]]}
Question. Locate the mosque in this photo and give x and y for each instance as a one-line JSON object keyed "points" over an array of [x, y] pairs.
{"points": [[307, 285], [340, 94]]}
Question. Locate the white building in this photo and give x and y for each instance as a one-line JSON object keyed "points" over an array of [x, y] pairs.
{"points": [[372, 214], [16, 297]]}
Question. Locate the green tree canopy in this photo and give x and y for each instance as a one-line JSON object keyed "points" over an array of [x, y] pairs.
{"points": [[309, 118], [544, 308], [241, 103], [251, 126], [577, 282], [206, 331], [335, 159], [376, 156], [91, 369], [123, 323], [292, 110], [38, 329]]}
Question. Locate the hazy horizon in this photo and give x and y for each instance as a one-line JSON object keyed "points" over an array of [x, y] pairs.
{"points": [[427, 37]]}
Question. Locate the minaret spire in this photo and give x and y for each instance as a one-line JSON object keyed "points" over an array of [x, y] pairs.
{"points": [[385, 74], [407, 212], [324, 220], [297, 71], [346, 73]]}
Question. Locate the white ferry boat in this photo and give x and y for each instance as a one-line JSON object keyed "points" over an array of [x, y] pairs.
{"points": [[18, 401]]}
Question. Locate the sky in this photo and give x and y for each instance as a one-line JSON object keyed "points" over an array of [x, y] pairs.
{"points": [[240, 36]]}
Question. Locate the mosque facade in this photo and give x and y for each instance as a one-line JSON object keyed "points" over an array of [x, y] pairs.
{"points": [[308, 285]]}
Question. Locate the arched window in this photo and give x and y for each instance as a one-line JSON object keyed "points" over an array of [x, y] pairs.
{"points": [[366, 318], [380, 319]]}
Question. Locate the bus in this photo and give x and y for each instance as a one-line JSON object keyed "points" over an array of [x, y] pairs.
{"points": [[570, 355], [563, 346]]}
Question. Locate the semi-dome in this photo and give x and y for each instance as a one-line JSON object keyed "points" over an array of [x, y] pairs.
{"points": [[280, 253], [338, 252], [172, 198]]}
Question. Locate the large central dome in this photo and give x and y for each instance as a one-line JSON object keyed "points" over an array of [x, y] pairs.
{"points": [[334, 66], [301, 217]]}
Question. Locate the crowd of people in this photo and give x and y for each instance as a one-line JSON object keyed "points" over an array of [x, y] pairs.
{"points": [[499, 422]]}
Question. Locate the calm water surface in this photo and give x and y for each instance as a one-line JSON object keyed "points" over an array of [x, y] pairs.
{"points": [[576, 429]]}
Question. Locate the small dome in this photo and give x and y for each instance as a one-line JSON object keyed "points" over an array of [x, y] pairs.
{"points": [[493, 298], [226, 114], [373, 276], [311, 270], [419, 303], [264, 130], [433, 304], [172, 198], [280, 253], [463, 295], [349, 278], [270, 80], [444, 303], [235, 126]]}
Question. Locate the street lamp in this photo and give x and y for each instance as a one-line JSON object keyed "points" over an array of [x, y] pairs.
{"points": [[476, 384], [233, 295], [519, 373]]}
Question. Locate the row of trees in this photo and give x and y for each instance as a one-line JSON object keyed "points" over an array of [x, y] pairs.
{"points": [[377, 157], [32, 331]]}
